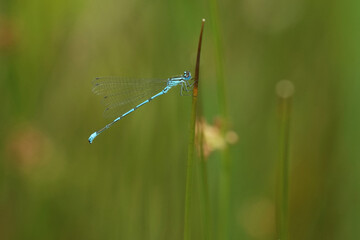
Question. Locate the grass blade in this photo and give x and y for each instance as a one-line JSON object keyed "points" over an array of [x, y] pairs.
{"points": [[191, 146], [284, 91]]}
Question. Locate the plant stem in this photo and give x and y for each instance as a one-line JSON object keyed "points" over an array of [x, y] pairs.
{"points": [[204, 177], [285, 91], [205, 198], [191, 146]]}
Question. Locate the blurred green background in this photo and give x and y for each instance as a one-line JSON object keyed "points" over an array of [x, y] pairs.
{"points": [[130, 183]]}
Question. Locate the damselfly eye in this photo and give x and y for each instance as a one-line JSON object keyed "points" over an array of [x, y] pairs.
{"points": [[187, 75]]}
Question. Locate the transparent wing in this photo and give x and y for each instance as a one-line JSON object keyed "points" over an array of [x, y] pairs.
{"points": [[119, 95]]}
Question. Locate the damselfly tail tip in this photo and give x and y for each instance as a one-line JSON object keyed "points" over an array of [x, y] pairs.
{"points": [[92, 136]]}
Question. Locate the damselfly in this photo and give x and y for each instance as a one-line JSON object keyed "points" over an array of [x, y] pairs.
{"points": [[124, 96]]}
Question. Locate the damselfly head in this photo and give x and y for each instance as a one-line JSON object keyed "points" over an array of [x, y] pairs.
{"points": [[187, 75]]}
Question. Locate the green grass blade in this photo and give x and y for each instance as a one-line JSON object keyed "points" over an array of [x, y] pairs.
{"points": [[191, 146], [284, 91]]}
